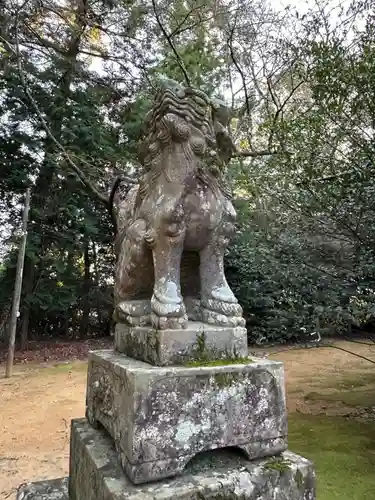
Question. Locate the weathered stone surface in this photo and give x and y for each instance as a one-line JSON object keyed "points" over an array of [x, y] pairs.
{"points": [[167, 347], [96, 474], [56, 489], [161, 417]]}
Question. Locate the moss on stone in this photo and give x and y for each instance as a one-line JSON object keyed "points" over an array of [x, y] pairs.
{"points": [[131, 345], [219, 362], [204, 356], [278, 464], [156, 342], [298, 477], [223, 379], [201, 344]]}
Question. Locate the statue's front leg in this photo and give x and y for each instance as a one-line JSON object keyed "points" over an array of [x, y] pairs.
{"points": [[167, 306], [133, 277], [219, 305]]}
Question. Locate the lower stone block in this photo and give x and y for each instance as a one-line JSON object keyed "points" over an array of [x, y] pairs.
{"points": [[55, 489], [168, 347], [96, 474], [160, 418]]}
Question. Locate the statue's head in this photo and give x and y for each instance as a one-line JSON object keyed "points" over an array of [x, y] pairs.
{"points": [[190, 107]]}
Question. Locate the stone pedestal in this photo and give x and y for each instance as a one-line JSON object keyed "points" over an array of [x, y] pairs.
{"points": [[160, 418], [171, 347], [199, 416]]}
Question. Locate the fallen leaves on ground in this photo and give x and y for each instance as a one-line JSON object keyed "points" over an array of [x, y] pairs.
{"points": [[46, 351]]}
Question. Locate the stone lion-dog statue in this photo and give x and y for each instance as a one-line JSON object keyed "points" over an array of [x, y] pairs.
{"points": [[175, 225]]}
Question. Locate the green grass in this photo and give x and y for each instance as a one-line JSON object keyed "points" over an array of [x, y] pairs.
{"points": [[363, 398], [348, 381], [343, 452]]}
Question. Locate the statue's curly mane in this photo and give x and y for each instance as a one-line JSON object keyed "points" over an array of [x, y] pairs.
{"points": [[189, 104], [192, 109]]}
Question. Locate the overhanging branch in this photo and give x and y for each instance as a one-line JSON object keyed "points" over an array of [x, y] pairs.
{"points": [[170, 43], [254, 154], [237, 65]]}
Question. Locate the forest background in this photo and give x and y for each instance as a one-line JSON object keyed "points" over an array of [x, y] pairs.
{"points": [[76, 78]]}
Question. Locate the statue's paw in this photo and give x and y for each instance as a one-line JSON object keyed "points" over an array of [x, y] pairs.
{"points": [[162, 306], [167, 315], [219, 319], [222, 307], [133, 312], [137, 320], [223, 294], [169, 322]]}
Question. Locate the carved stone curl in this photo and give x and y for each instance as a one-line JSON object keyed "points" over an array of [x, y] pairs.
{"points": [[175, 225]]}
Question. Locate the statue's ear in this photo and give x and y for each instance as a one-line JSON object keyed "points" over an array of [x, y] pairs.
{"points": [[221, 112]]}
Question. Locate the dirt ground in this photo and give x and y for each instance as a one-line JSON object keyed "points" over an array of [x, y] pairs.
{"points": [[39, 401]]}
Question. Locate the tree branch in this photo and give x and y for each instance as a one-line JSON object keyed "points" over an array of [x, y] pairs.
{"points": [[178, 29], [279, 107], [171, 44], [254, 154], [82, 177], [236, 63]]}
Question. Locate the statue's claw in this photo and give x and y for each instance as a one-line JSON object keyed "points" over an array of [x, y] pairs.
{"points": [[133, 312], [167, 314], [169, 323], [219, 319], [222, 313]]}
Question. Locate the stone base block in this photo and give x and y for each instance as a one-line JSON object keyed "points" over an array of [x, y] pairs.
{"points": [[55, 489], [168, 347], [161, 417], [96, 474]]}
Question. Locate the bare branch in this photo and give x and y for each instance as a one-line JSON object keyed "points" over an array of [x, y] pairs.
{"points": [[254, 154], [237, 65], [171, 44], [178, 29], [279, 107]]}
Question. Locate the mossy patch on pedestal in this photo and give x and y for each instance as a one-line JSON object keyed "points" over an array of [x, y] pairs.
{"points": [[278, 463], [206, 356], [219, 362]]}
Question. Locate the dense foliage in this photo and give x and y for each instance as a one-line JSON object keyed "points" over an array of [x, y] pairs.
{"points": [[76, 78]]}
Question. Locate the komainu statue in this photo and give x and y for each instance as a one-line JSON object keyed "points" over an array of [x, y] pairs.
{"points": [[174, 227]]}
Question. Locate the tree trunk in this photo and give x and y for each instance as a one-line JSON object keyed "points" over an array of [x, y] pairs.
{"points": [[17, 288], [86, 295], [25, 328], [99, 311], [28, 281]]}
